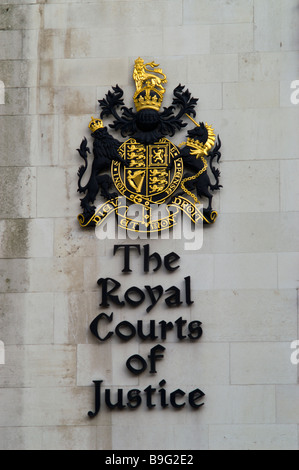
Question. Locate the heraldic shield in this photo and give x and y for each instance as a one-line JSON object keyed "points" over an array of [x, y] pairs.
{"points": [[148, 169], [146, 178]]}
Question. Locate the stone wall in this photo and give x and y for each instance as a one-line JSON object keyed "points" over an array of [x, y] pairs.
{"points": [[57, 58]]}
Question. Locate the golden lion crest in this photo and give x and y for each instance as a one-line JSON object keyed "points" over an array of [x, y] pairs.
{"points": [[148, 168]]}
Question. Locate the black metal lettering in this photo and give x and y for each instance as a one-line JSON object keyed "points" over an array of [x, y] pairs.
{"points": [[129, 326], [173, 398], [151, 335], [188, 290], [149, 392], [195, 395], [162, 392], [130, 300], [173, 300], [135, 358], [195, 329], [154, 299], [95, 323], [134, 397], [148, 257], [180, 323], [153, 357], [97, 383], [165, 326], [169, 259], [126, 268], [119, 404], [107, 294]]}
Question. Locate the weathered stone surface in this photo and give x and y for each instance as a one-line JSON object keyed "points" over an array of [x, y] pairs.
{"points": [[57, 59]]}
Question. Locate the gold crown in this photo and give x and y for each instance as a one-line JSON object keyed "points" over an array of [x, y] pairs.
{"points": [[149, 90], [95, 124], [148, 98]]}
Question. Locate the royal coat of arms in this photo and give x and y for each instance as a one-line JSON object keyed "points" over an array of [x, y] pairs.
{"points": [[148, 169]]}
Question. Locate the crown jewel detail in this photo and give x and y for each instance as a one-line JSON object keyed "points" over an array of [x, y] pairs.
{"points": [[95, 124], [149, 89]]}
